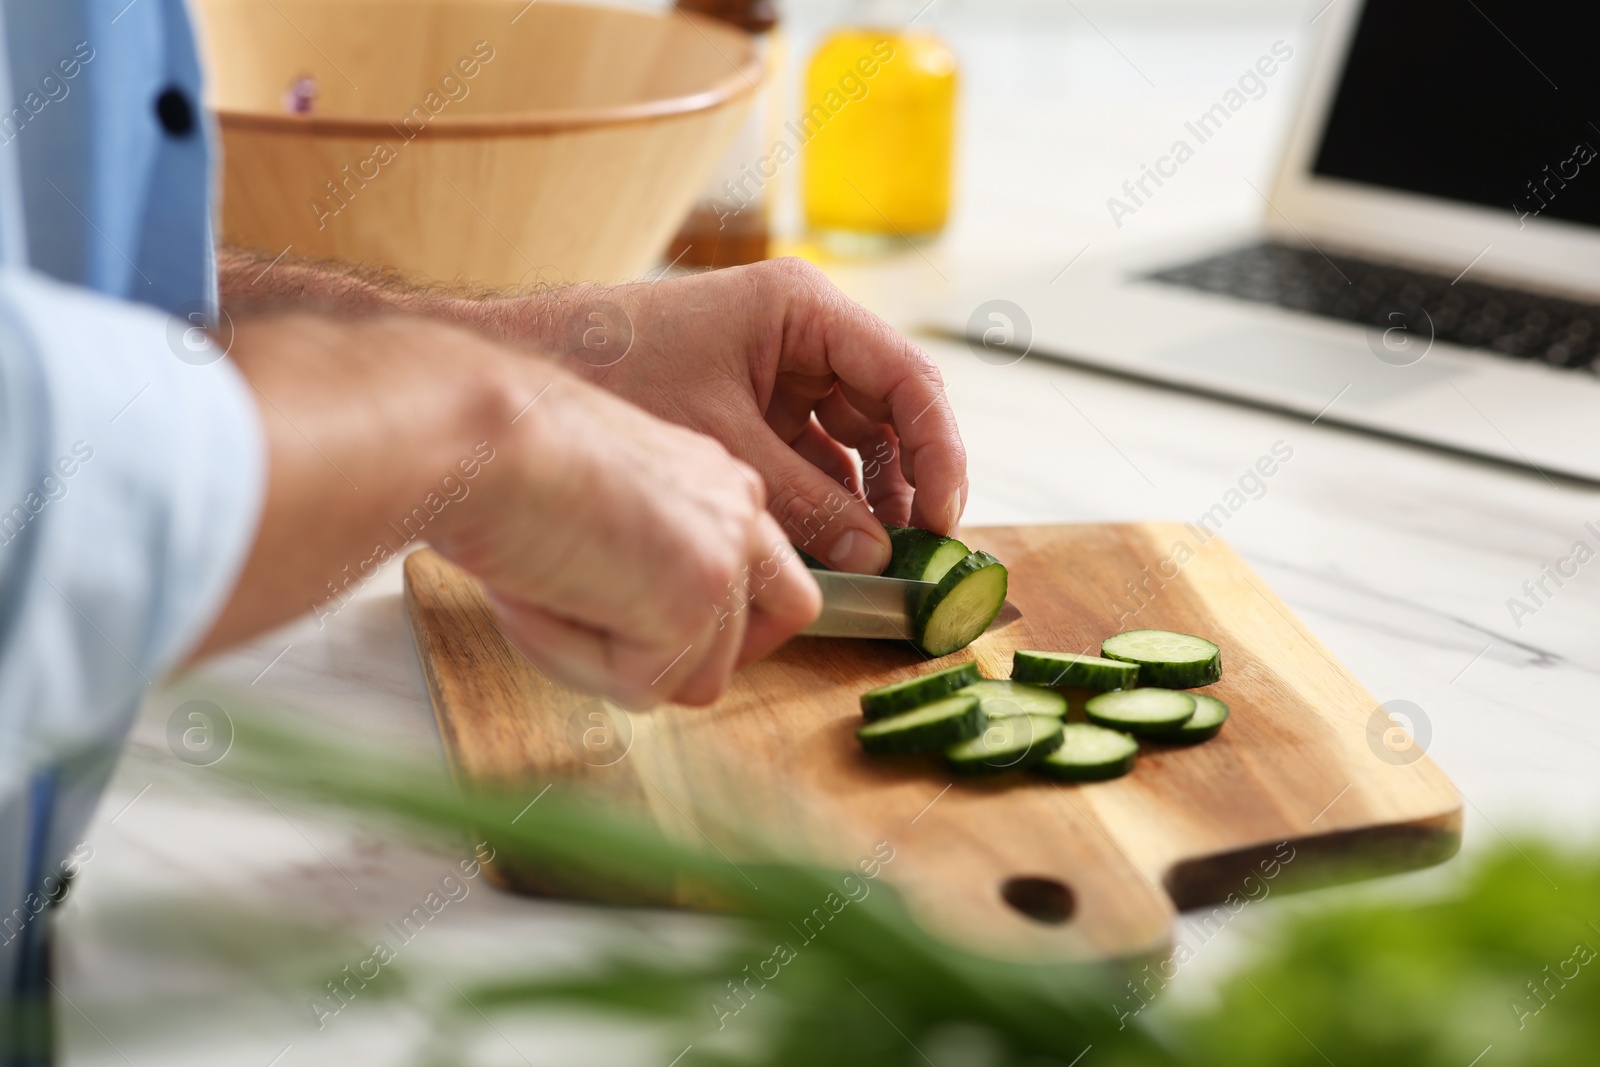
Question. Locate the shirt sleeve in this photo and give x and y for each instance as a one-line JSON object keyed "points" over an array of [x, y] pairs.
{"points": [[131, 476]]}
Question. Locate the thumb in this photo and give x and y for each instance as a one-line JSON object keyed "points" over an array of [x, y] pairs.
{"points": [[820, 517]]}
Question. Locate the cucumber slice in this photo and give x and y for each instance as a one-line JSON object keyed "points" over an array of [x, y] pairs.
{"points": [[936, 725], [1002, 699], [1069, 669], [915, 692], [1090, 753], [963, 605], [1006, 743], [921, 555], [1141, 711], [1167, 659], [1206, 723]]}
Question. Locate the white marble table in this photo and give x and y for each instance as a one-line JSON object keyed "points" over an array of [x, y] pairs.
{"points": [[1400, 559]]}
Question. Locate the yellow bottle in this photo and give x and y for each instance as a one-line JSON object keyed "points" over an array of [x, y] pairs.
{"points": [[879, 121]]}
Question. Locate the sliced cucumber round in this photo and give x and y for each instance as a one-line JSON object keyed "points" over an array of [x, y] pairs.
{"points": [[1070, 669], [1006, 743], [1090, 753], [1140, 711], [963, 605], [921, 555], [1206, 722], [1167, 659], [936, 725], [1003, 699], [915, 692]]}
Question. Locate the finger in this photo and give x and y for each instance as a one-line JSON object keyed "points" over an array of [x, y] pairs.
{"points": [[884, 481], [933, 460], [720, 641], [788, 409], [828, 456], [783, 605], [570, 653], [818, 515], [888, 379]]}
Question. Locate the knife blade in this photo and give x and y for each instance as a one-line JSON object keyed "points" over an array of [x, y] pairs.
{"points": [[862, 605]]}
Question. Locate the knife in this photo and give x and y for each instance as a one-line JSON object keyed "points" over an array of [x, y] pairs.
{"points": [[862, 605]]}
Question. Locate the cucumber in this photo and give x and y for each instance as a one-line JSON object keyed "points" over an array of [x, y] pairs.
{"points": [[1141, 711], [1002, 699], [962, 606], [1069, 669], [921, 555], [1016, 741], [914, 692], [936, 725], [1090, 753], [1209, 715], [1166, 659]]}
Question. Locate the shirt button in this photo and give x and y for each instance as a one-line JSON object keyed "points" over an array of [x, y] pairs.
{"points": [[175, 112]]}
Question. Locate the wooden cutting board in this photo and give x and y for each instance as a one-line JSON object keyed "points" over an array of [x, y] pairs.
{"points": [[1308, 782]]}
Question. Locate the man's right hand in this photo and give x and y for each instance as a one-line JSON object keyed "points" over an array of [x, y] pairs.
{"points": [[624, 556]]}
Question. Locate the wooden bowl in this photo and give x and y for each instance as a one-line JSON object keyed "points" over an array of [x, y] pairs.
{"points": [[488, 142]]}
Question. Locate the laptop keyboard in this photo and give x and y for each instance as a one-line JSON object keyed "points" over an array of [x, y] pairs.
{"points": [[1511, 322]]}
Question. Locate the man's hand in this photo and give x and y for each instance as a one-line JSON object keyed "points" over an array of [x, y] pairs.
{"points": [[625, 556], [771, 360], [794, 378]]}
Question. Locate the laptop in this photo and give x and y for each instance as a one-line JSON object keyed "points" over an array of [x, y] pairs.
{"points": [[1427, 263]]}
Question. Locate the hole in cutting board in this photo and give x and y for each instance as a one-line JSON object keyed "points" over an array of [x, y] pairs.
{"points": [[1043, 900]]}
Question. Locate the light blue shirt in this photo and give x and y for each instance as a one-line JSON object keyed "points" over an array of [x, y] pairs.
{"points": [[131, 463]]}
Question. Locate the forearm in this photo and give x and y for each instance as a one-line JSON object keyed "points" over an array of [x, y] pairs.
{"points": [[254, 283], [373, 439]]}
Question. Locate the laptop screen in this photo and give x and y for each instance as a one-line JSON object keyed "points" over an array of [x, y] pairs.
{"points": [[1491, 102]]}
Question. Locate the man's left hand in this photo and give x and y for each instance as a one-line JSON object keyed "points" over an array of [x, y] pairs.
{"points": [[793, 378]]}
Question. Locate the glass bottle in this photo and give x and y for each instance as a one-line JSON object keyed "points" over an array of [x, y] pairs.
{"points": [[723, 229], [879, 118]]}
